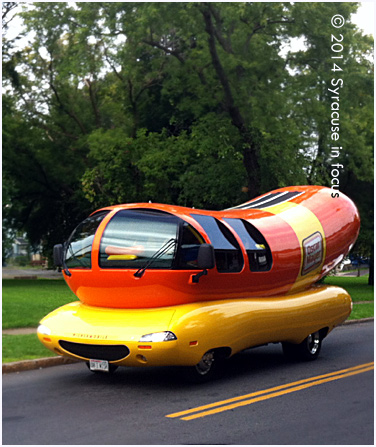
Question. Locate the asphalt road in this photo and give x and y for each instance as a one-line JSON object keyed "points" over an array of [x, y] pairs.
{"points": [[70, 405]]}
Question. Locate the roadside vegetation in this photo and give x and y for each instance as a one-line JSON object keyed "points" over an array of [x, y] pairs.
{"points": [[23, 347], [357, 287], [25, 302], [362, 294]]}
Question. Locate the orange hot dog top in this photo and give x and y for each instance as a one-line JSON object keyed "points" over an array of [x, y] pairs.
{"points": [[279, 243]]}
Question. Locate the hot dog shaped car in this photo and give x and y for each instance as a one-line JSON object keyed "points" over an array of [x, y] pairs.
{"points": [[168, 285]]}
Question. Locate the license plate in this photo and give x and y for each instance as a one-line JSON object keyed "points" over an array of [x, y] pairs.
{"points": [[99, 365]]}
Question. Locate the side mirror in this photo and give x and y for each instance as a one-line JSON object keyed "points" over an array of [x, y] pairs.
{"points": [[58, 255], [206, 257], [205, 260]]}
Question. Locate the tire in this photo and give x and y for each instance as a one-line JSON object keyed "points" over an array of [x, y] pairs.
{"points": [[205, 369], [308, 349]]}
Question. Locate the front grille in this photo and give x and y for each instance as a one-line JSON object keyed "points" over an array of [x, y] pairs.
{"points": [[99, 352]]}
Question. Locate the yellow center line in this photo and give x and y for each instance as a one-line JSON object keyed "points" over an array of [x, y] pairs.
{"points": [[269, 396], [270, 393]]}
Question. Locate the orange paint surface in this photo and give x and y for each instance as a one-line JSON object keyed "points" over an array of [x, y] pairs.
{"points": [[308, 235]]}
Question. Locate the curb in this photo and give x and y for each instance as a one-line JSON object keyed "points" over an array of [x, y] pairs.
{"points": [[360, 320], [27, 365]]}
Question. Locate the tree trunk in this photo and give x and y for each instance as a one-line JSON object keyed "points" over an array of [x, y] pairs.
{"points": [[250, 153], [371, 273]]}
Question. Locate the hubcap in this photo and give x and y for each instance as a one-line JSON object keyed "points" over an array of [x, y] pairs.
{"points": [[205, 364], [313, 342]]}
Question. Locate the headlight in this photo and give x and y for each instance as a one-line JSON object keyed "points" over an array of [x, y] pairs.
{"points": [[42, 329], [158, 336]]}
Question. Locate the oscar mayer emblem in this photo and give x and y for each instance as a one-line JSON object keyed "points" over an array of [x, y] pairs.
{"points": [[312, 252]]}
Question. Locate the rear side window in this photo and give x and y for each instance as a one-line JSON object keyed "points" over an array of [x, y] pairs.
{"points": [[258, 251], [228, 255]]}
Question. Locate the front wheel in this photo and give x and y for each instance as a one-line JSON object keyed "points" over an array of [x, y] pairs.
{"points": [[308, 349]]}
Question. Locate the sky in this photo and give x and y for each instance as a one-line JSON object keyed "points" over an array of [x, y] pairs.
{"points": [[365, 17]]}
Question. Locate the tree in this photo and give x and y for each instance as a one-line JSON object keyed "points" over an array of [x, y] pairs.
{"points": [[335, 64], [42, 193], [190, 103]]}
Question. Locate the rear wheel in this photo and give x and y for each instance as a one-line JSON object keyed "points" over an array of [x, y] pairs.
{"points": [[309, 349]]}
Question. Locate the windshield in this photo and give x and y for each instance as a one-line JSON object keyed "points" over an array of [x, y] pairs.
{"points": [[133, 237], [78, 250]]}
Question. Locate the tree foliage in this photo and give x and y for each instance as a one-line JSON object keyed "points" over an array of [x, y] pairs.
{"points": [[195, 104]]}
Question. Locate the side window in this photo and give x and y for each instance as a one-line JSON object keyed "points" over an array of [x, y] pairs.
{"points": [[258, 251], [228, 255], [78, 252], [188, 249]]}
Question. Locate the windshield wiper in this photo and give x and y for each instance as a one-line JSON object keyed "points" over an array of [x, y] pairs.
{"points": [[73, 253], [167, 246]]}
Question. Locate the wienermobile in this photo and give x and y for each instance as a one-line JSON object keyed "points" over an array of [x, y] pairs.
{"points": [[168, 285]]}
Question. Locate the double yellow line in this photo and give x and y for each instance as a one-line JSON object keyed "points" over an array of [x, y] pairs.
{"points": [[258, 396]]}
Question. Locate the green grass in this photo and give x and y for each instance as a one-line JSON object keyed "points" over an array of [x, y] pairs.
{"points": [[357, 287], [25, 302], [359, 291], [23, 347], [362, 310]]}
